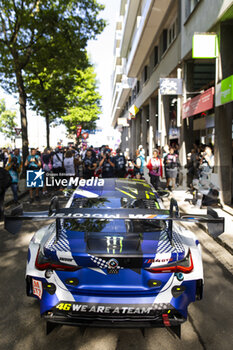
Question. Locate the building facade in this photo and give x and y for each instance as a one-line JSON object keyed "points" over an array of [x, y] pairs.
{"points": [[153, 55]]}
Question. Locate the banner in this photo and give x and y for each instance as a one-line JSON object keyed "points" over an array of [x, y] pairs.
{"points": [[198, 104]]}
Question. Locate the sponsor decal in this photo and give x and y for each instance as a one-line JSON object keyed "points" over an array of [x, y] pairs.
{"points": [[150, 261], [114, 244], [37, 288], [115, 309], [112, 264], [66, 259], [110, 216]]}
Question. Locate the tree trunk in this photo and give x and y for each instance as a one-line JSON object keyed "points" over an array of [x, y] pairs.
{"points": [[47, 129], [23, 115]]}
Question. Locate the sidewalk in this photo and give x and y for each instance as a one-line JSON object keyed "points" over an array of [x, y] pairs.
{"points": [[9, 195], [182, 197]]}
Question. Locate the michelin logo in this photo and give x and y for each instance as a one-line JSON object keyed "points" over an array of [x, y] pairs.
{"points": [[35, 178]]}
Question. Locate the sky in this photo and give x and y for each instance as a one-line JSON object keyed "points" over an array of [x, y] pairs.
{"points": [[101, 55]]}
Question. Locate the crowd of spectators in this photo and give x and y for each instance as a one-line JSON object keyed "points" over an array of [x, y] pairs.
{"points": [[104, 162]]}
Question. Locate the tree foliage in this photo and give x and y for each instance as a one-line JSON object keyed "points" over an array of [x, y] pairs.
{"points": [[85, 101], [7, 120], [35, 32]]}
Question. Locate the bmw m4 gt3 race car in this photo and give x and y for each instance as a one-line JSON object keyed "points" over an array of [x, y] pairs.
{"points": [[113, 256]]}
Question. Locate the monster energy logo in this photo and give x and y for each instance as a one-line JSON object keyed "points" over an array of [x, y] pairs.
{"points": [[114, 244]]}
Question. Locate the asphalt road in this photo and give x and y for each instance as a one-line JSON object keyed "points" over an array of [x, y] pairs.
{"points": [[209, 326]]}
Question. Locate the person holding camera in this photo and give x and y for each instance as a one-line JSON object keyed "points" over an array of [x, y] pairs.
{"points": [[120, 164], [206, 163], [33, 162], [14, 167], [107, 163], [89, 164]]}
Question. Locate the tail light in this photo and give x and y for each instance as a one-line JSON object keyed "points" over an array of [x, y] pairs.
{"points": [[43, 263], [185, 266]]}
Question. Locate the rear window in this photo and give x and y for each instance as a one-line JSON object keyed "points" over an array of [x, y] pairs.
{"points": [[110, 225]]}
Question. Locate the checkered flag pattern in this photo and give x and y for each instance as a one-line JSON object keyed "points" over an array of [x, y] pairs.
{"points": [[162, 306], [99, 262]]}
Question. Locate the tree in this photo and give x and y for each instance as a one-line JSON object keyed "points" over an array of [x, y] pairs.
{"points": [[85, 101], [7, 120], [47, 94], [30, 29]]}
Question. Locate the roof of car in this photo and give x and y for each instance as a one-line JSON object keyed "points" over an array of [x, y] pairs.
{"points": [[120, 188], [116, 193]]}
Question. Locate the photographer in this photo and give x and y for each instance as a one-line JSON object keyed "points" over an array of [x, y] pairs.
{"points": [[89, 164], [120, 164], [107, 163], [206, 163], [14, 167], [33, 162]]}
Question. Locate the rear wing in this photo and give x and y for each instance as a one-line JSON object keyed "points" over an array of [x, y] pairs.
{"points": [[14, 219]]}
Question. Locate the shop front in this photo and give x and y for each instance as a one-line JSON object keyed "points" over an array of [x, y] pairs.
{"points": [[199, 111]]}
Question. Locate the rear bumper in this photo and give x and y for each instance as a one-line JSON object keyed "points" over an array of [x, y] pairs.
{"points": [[120, 316]]}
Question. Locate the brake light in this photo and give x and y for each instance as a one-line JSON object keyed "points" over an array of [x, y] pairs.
{"points": [[185, 266], [166, 321], [43, 264]]}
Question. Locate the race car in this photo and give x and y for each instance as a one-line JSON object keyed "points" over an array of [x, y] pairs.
{"points": [[114, 257]]}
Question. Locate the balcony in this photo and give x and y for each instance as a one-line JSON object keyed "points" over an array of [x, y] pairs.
{"points": [[128, 25], [121, 97], [151, 19]]}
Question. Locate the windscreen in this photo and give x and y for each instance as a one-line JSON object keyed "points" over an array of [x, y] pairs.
{"points": [[110, 225]]}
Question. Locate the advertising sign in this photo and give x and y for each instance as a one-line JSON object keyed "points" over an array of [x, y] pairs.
{"points": [[133, 111], [198, 104], [205, 45], [171, 86], [227, 90]]}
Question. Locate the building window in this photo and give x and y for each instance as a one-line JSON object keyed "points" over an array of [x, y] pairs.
{"points": [[172, 32], [134, 93], [145, 74], [138, 86], [164, 40], [190, 6], [156, 55]]}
